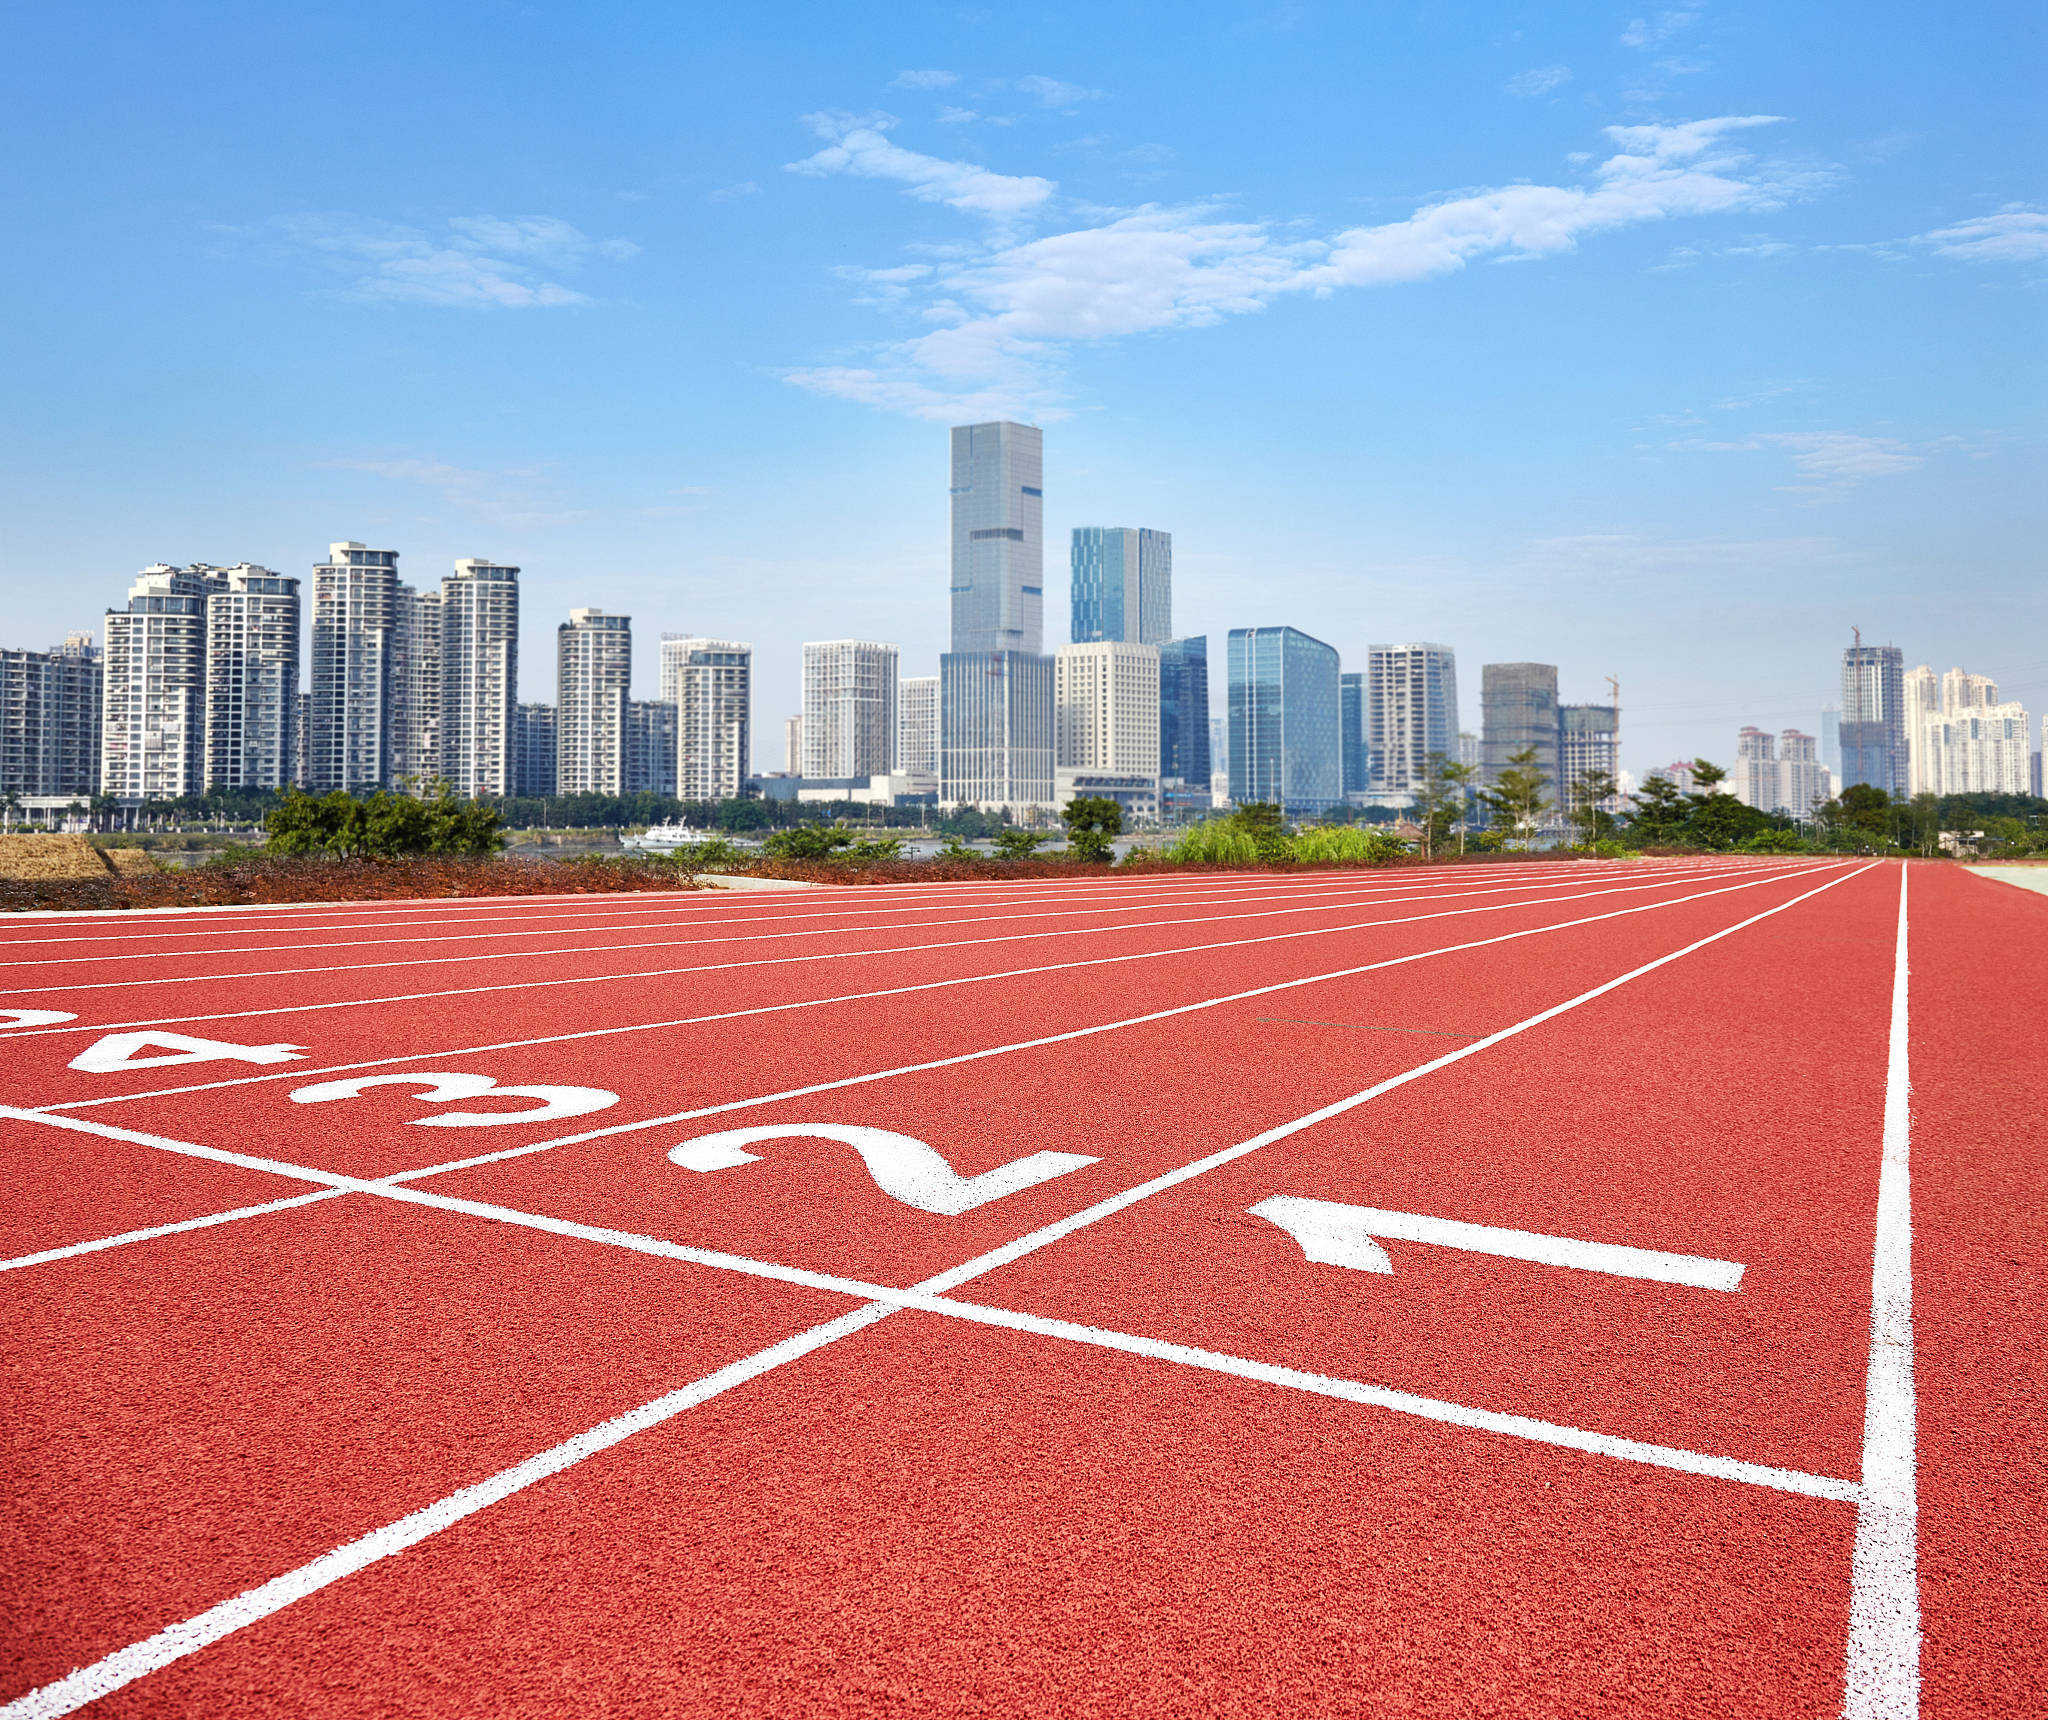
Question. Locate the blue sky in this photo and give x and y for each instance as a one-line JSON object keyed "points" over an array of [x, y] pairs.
{"points": [[1652, 342]]}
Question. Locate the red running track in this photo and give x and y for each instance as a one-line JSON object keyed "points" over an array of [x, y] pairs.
{"points": [[1450, 1292]]}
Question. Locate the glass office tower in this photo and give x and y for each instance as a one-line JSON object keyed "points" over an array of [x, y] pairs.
{"points": [[1122, 585], [1285, 719]]}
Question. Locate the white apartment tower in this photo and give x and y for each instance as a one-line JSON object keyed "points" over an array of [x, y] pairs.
{"points": [[1411, 711], [1753, 778], [153, 718], [1961, 739], [479, 676], [710, 683], [252, 679], [593, 676], [355, 598], [849, 717], [50, 711], [1803, 781], [793, 745], [917, 725], [413, 692], [1106, 725]]}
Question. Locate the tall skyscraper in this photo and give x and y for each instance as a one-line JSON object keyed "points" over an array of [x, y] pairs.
{"points": [[1588, 744], [996, 686], [153, 719], [1873, 723], [50, 712], [849, 713], [1411, 711], [479, 676], [1518, 710], [1831, 738], [1185, 760], [1285, 704], [1122, 584], [413, 669], [1106, 725], [355, 597], [252, 679], [917, 725], [535, 765], [650, 747], [1351, 720], [593, 676], [711, 684]]}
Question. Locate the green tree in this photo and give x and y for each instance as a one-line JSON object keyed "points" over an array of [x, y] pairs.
{"points": [[1517, 798], [808, 842], [381, 825], [1440, 800], [1587, 816], [1013, 843], [1092, 821]]}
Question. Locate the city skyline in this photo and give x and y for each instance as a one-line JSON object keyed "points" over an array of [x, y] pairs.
{"points": [[1765, 382]]}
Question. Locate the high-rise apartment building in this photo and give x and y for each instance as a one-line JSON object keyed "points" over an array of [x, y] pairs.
{"points": [[1285, 705], [1961, 738], [996, 686], [711, 684], [413, 675], [917, 725], [479, 676], [793, 745], [1185, 759], [1518, 711], [1122, 585], [252, 679], [50, 710], [153, 715], [1411, 712], [1802, 777], [1754, 777], [849, 716], [534, 771], [1106, 725], [1873, 722], [650, 747], [593, 679], [1351, 705], [1588, 745], [355, 599]]}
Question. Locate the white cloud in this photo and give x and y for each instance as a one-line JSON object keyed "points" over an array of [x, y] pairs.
{"points": [[1538, 80], [517, 497], [487, 261], [859, 148], [957, 116], [1005, 315], [1834, 461], [1050, 92], [2016, 234], [731, 193], [925, 80], [1648, 32]]}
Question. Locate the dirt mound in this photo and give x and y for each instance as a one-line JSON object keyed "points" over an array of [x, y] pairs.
{"points": [[39, 858]]}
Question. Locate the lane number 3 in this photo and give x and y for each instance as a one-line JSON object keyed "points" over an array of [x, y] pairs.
{"points": [[555, 1101]]}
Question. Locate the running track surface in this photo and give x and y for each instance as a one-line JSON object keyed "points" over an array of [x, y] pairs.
{"points": [[1547, 1289]]}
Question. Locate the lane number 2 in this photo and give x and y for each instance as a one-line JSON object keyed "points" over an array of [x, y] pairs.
{"points": [[904, 1168]]}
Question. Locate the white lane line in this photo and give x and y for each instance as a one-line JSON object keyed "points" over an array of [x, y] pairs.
{"points": [[1334, 1234], [722, 908], [187, 1637], [104, 1677], [969, 979], [72, 1250], [1882, 1679], [1325, 903]]}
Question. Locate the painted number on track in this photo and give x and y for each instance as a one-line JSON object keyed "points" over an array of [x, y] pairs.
{"points": [[1337, 1235], [555, 1101], [904, 1168]]}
